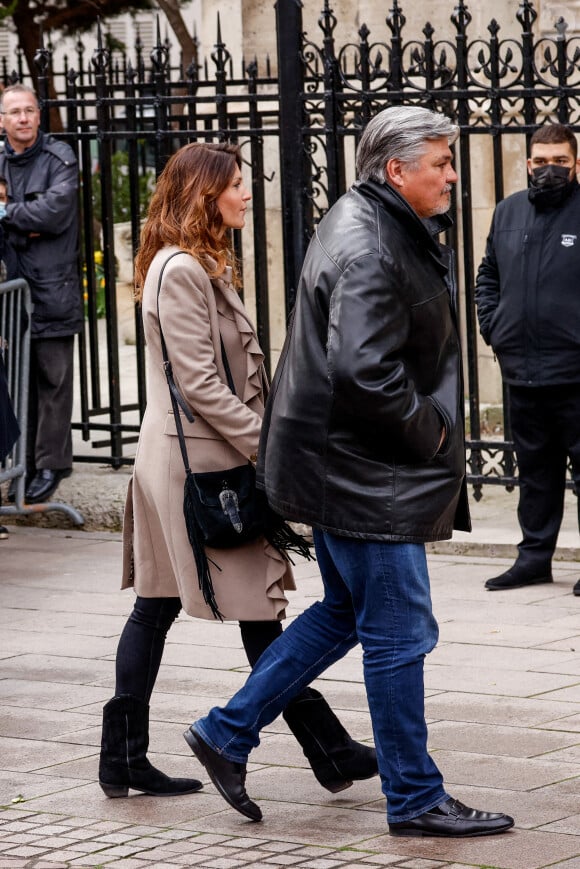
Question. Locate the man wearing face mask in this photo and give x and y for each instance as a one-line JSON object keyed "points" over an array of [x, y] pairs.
{"points": [[528, 305]]}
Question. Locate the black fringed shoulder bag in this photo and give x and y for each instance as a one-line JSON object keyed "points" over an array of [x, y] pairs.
{"points": [[223, 509]]}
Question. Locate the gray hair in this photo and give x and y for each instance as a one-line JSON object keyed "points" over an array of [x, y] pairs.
{"points": [[17, 89], [399, 132]]}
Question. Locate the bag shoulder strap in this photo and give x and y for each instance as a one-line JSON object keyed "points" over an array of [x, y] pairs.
{"points": [[177, 400]]}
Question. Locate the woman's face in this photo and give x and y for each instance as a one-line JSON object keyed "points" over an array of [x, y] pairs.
{"points": [[233, 202]]}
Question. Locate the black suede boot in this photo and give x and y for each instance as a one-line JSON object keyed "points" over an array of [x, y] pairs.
{"points": [[124, 745], [335, 758]]}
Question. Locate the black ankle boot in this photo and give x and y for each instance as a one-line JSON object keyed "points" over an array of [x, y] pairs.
{"points": [[335, 758], [124, 745]]}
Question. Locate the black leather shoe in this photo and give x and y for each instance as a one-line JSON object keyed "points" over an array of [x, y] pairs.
{"points": [[228, 777], [44, 484], [576, 589], [451, 818], [517, 577], [3, 532]]}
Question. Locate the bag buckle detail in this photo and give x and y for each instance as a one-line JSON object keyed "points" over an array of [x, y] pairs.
{"points": [[230, 506]]}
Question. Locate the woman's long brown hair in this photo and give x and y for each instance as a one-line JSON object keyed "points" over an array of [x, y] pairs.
{"points": [[183, 209]]}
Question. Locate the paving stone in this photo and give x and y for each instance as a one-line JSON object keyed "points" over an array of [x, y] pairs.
{"points": [[379, 860], [55, 842], [486, 680], [25, 851], [221, 863], [19, 786], [567, 723], [421, 864], [523, 712], [326, 826], [21, 838], [519, 849], [89, 861], [289, 860], [50, 695], [508, 741], [87, 847], [574, 863], [48, 864], [128, 863], [325, 863]]}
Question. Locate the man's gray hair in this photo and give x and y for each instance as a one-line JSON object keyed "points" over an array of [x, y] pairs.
{"points": [[399, 132], [17, 89]]}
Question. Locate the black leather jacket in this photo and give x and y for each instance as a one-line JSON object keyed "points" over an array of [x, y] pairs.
{"points": [[528, 291], [369, 374]]}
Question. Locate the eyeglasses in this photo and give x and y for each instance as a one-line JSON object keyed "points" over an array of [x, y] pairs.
{"points": [[15, 113]]}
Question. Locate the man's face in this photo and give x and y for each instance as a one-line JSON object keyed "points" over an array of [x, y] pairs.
{"points": [[558, 154], [20, 120], [425, 185]]}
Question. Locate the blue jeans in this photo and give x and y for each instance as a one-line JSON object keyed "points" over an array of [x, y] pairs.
{"points": [[376, 593]]}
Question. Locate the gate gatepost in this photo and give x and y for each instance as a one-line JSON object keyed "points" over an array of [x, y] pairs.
{"points": [[292, 156]]}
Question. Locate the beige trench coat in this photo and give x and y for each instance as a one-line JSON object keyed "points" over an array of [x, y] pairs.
{"points": [[158, 560]]}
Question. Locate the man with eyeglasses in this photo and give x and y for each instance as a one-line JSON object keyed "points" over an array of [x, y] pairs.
{"points": [[528, 306], [41, 221]]}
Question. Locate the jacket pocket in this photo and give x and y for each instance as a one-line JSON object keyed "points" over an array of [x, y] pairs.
{"points": [[447, 422], [199, 428]]}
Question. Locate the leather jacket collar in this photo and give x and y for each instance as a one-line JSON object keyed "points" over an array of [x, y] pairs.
{"points": [[424, 231]]}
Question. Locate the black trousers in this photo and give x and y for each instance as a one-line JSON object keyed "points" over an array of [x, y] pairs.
{"points": [[50, 403], [546, 432], [143, 639]]}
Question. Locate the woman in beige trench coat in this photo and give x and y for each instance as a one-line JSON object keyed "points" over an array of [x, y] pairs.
{"points": [[200, 196]]}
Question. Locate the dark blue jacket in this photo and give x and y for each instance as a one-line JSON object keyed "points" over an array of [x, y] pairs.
{"points": [[528, 291], [42, 225]]}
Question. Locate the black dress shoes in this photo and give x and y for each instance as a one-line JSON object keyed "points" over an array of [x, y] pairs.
{"points": [[518, 577], [228, 777], [44, 484], [576, 589], [451, 818]]}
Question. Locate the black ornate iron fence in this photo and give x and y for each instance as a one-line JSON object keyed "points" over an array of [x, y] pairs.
{"points": [[298, 132]]}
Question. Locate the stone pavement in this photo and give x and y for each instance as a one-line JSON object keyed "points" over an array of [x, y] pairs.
{"points": [[503, 704]]}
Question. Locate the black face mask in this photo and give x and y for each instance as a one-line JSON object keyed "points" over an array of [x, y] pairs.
{"points": [[551, 185]]}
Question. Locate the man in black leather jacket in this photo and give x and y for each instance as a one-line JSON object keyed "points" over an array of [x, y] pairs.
{"points": [[528, 303], [363, 438], [42, 226]]}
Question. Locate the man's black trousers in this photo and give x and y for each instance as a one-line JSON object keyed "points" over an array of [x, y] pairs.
{"points": [[546, 433], [49, 442]]}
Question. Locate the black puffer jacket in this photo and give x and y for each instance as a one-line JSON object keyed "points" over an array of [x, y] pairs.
{"points": [[528, 291], [42, 227], [369, 374]]}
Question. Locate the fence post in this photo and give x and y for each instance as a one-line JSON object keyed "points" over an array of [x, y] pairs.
{"points": [[100, 61], [333, 141], [259, 218], [292, 157]]}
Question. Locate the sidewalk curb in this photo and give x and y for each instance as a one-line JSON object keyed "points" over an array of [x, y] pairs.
{"points": [[485, 549]]}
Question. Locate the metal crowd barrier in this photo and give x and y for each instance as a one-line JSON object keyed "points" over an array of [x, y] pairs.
{"points": [[15, 314]]}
